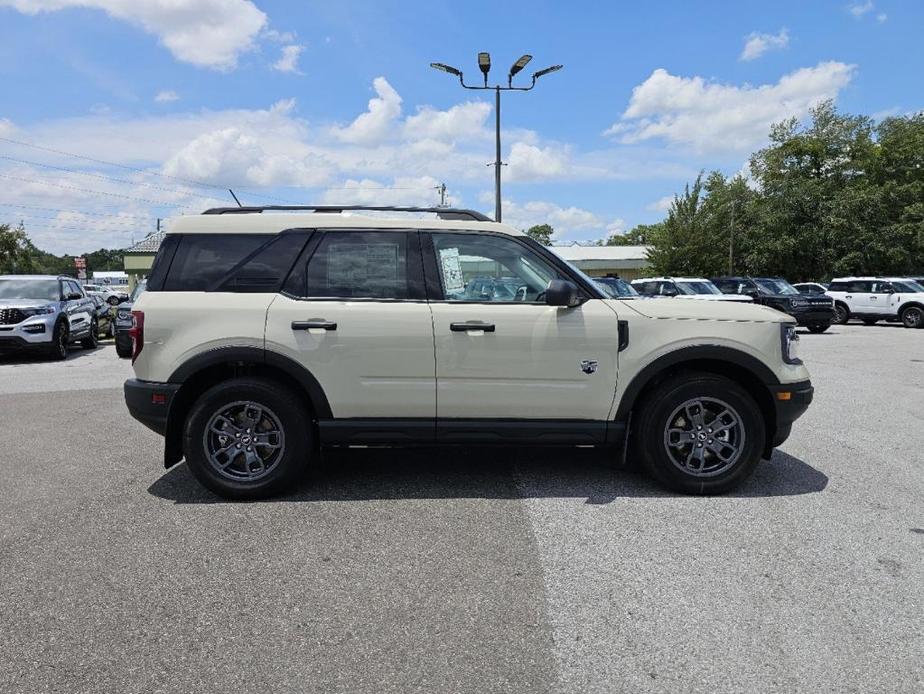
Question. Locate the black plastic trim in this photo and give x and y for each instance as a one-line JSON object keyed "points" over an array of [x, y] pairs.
{"points": [[138, 399], [690, 354], [623, 335], [442, 212]]}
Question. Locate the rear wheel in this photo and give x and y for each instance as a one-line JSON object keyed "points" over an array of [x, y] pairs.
{"points": [[818, 327], [913, 317], [91, 341], [841, 314], [248, 438], [699, 433]]}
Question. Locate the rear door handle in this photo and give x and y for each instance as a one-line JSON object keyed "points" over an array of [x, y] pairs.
{"points": [[313, 325], [471, 325]]}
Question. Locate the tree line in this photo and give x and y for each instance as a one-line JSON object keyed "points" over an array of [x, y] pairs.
{"points": [[19, 256], [840, 195]]}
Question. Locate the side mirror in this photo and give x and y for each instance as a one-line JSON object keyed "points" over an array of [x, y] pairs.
{"points": [[74, 296], [562, 293]]}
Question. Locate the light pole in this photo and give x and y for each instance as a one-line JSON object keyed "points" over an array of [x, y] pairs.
{"points": [[484, 64]]}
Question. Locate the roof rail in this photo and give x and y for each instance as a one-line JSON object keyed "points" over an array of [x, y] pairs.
{"points": [[441, 212]]}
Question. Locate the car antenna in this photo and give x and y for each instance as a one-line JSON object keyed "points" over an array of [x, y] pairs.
{"points": [[235, 198]]}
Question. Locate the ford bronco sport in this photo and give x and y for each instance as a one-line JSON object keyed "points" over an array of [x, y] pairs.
{"points": [[266, 333]]}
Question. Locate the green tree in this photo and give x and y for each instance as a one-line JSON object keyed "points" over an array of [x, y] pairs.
{"points": [[639, 235], [541, 233], [15, 255]]}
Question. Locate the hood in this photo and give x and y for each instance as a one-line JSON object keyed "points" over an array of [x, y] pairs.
{"points": [[684, 309], [25, 303], [740, 298]]}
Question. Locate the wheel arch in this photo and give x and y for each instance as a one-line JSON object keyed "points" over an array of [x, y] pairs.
{"points": [[208, 368], [748, 371]]}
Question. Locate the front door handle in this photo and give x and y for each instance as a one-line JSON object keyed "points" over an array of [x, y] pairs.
{"points": [[471, 325], [313, 325]]}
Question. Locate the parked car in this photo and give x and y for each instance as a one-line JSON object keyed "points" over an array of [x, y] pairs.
{"points": [[872, 299], [264, 336], [616, 287], [123, 322], [683, 288], [46, 313], [813, 312], [499, 288], [111, 296], [105, 322], [811, 287]]}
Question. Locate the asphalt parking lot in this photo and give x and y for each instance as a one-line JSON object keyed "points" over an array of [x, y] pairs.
{"points": [[473, 570]]}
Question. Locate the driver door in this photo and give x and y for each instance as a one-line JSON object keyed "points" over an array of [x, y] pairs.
{"points": [[506, 354]]}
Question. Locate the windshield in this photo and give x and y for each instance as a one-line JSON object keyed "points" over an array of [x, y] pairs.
{"points": [[907, 286], [140, 287], [46, 290], [776, 286], [616, 287], [702, 287]]}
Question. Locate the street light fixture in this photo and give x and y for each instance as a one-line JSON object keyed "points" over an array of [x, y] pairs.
{"points": [[484, 64]]}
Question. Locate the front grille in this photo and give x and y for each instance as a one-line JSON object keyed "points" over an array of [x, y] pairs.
{"points": [[11, 316], [821, 302]]}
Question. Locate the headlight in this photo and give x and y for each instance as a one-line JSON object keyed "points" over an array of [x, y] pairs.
{"points": [[798, 303], [790, 343], [40, 311], [125, 314]]}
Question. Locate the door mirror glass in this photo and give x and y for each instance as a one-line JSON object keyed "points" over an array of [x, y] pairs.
{"points": [[562, 293], [74, 296]]}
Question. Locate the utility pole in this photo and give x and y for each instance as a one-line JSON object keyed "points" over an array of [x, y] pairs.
{"points": [[484, 64], [442, 191]]}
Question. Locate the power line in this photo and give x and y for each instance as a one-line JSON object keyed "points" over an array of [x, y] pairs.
{"points": [[58, 209], [94, 192], [90, 224]]}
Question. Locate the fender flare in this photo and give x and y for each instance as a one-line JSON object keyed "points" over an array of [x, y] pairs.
{"points": [[694, 353]]}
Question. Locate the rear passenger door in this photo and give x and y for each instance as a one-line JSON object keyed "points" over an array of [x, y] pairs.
{"points": [[354, 313], [860, 297], [79, 311]]}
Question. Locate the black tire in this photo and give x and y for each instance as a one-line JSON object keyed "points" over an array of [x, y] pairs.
{"points": [[59, 339], [870, 321], [818, 327], [91, 341], [123, 346], [913, 317], [281, 407], [657, 412], [113, 301], [841, 314]]}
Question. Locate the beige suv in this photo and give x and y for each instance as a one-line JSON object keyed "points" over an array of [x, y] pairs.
{"points": [[268, 332]]}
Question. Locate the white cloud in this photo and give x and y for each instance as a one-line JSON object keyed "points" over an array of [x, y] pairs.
{"points": [[376, 124], [858, 9], [757, 44], [532, 163], [661, 204], [564, 220], [881, 17], [6, 127], [166, 96], [288, 61], [206, 33], [460, 122], [403, 190], [712, 117]]}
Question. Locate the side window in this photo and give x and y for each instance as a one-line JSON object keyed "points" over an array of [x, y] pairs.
{"points": [[646, 287], [483, 267], [72, 287], [881, 287], [359, 265], [266, 268], [838, 287], [668, 289], [859, 287], [203, 259]]}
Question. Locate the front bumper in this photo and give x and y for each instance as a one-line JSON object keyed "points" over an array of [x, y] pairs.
{"points": [[36, 331], [149, 402], [790, 400], [814, 315]]}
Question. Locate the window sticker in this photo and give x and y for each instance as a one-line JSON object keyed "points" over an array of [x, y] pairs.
{"points": [[453, 282]]}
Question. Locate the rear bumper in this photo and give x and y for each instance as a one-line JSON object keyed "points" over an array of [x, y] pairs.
{"points": [[790, 400], [149, 402]]}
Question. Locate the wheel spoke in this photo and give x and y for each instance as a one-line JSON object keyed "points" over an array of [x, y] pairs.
{"points": [[704, 436], [244, 441]]}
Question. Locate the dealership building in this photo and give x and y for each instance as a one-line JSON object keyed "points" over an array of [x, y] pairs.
{"points": [[629, 262]]}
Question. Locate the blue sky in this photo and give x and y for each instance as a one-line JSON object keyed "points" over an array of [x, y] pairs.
{"points": [[335, 102]]}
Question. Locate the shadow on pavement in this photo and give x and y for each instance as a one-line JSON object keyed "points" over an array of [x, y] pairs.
{"points": [[491, 473], [26, 357]]}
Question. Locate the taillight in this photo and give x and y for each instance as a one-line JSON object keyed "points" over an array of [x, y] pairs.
{"points": [[136, 333]]}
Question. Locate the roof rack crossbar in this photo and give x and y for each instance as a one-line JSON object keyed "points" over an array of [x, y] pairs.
{"points": [[441, 212]]}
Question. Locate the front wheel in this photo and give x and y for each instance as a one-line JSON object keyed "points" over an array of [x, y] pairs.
{"points": [[818, 327], [91, 341], [248, 438], [59, 339], [699, 433], [913, 317]]}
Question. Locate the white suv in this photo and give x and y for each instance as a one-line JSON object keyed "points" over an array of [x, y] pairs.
{"points": [[872, 299], [685, 288], [265, 335]]}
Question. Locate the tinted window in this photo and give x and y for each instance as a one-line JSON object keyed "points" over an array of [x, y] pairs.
{"points": [[266, 268], [697, 288], [72, 287], [203, 259], [838, 287], [859, 286], [646, 287], [359, 264], [482, 267], [907, 286]]}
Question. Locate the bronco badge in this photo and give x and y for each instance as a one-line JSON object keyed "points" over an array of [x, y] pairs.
{"points": [[589, 366]]}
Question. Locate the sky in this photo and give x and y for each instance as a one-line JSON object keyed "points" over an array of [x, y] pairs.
{"points": [[114, 113]]}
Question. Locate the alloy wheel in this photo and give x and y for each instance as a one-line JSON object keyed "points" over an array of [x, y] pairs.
{"points": [[704, 437], [244, 441]]}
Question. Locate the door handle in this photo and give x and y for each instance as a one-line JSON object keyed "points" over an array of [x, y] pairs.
{"points": [[313, 325], [848, 297], [471, 325]]}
